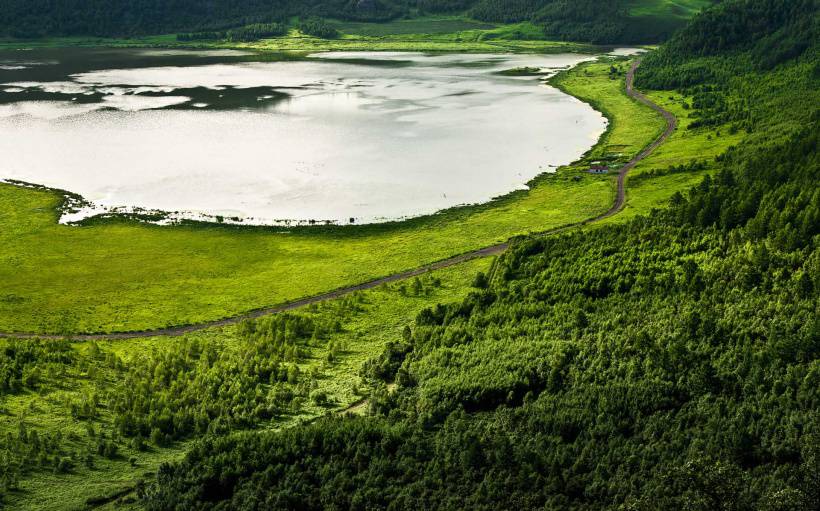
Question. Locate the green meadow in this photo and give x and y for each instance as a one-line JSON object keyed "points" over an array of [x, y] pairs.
{"points": [[502, 39], [123, 275], [631, 125], [650, 184]]}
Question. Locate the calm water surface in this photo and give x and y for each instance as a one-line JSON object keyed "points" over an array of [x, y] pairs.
{"points": [[267, 139]]}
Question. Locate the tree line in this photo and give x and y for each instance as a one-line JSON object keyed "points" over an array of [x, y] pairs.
{"points": [[580, 20], [248, 33]]}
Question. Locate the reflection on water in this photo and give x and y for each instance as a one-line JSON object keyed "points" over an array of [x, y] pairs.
{"points": [[266, 139]]}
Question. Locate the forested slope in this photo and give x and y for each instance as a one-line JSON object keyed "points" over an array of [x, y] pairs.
{"points": [[580, 20], [667, 363]]}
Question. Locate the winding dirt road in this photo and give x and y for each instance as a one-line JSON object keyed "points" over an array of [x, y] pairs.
{"points": [[671, 126], [620, 200]]}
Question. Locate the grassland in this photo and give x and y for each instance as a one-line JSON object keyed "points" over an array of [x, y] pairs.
{"points": [[124, 275], [493, 40], [631, 125], [648, 186]]}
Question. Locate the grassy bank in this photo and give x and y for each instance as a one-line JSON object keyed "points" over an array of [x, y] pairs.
{"points": [[631, 124], [467, 41]]}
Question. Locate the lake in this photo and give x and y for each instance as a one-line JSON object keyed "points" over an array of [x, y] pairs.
{"points": [[271, 139]]}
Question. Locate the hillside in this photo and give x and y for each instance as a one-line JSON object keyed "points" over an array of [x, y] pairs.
{"points": [[670, 362], [579, 20], [666, 356]]}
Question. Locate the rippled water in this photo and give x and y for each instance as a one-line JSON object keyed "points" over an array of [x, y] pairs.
{"points": [[267, 139]]}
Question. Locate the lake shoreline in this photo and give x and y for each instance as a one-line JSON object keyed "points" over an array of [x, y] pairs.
{"points": [[193, 217]]}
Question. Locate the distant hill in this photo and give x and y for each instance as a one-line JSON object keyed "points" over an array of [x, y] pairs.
{"points": [[755, 35], [771, 32], [599, 21]]}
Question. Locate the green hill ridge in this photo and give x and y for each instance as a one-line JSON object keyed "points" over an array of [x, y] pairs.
{"points": [[597, 21]]}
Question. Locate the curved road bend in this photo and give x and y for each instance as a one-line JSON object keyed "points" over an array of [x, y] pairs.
{"points": [[620, 200]]}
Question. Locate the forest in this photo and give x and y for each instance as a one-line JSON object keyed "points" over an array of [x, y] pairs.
{"points": [[593, 21], [668, 362]]}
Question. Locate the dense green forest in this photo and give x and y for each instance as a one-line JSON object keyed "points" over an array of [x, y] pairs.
{"points": [[672, 362], [598, 21]]}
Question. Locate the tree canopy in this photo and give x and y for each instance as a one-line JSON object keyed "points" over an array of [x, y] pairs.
{"points": [[580, 20]]}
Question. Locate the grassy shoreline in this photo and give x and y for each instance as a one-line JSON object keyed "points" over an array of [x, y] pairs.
{"points": [[107, 277], [119, 275]]}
